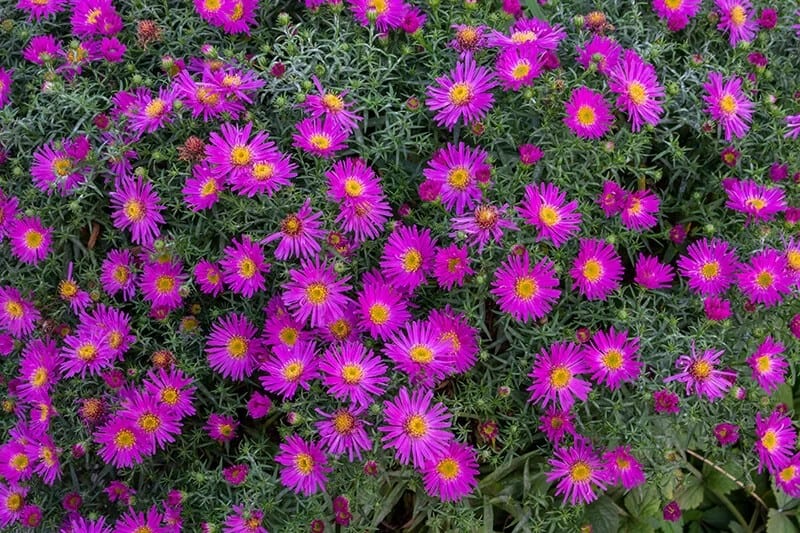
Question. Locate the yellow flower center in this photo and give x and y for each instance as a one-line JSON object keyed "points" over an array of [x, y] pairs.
{"points": [[788, 473], [738, 15], [237, 347], [206, 96], [622, 463], [209, 188], [87, 353], [763, 364], [613, 359], [39, 377], [344, 422], [226, 430], [263, 171], [170, 395], [521, 70], [165, 284], [448, 469], [700, 370], [20, 462], [549, 216], [412, 260], [592, 270], [580, 472], [379, 314], [416, 427], [467, 37], [709, 270], [62, 166], [304, 463], [421, 354], [238, 11], [292, 370], [317, 293], [525, 288], [460, 94], [458, 178], [320, 141], [212, 5], [67, 289], [769, 440], [134, 210], [728, 104], [241, 155], [14, 309], [120, 274], [353, 188], [793, 257], [149, 422], [247, 268], [332, 102], [764, 279], [637, 93], [586, 115], [560, 376], [143, 529], [756, 203], [486, 216], [92, 15], [14, 502], [521, 37], [288, 336], [352, 373], [115, 339], [292, 226], [452, 264], [340, 329], [125, 439], [673, 5], [33, 239], [155, 108]]}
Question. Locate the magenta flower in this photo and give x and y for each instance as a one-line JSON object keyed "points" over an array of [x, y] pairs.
{"points": [[299, 234], [273, 171], [555, 376], [726, 434], [208, 277], [766, 278], [421, 353], [451, 474], [578, 470], [315, 292], [545, 207], [122, 443], [363, 208], [117, 274], [235, 475], [485, 223], [640, 94], [352, 372], [758, 202], [454, 329], [735, 19], [768, 365], [161, 283], [792, 126], [320, 137], [788, 478], [243, 268], [457, 172], [290, 368], [602, 52], [381, 309], [665, 401], [775, 441], [468, 39], [30, 240], [529, 33], [343, 432], [597, 270], [5, 86], [652, 274], [465, 94], [304, 466], [242, 520], [451, 265], [385, 15], [701, 376], [414, 428], [588, 114], [728, 104], [623, 468], [612, 199], [677, 13], [233, 153], [517, 67], [331, 104], [201, 189], [55, 169], [639, 210], [408, 256], [555, 423], [136, 208], [172, 389], [156, 422], [716, 308], [613, 358], [86, 352], [233, 348], [709, 265], [525, 291], [39, 9], [17, 315], [221, 428]]}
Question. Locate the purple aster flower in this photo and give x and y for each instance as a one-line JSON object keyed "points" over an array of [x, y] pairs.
{"points": [[465, 94], [728, 104], [702, 377]]}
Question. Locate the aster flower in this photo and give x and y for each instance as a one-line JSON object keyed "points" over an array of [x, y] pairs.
{"points": [[136, 208], [122, 443], [331, 104], [454, 329], [305, 467], [768, 365], [201, 189], [728, 104], [86, 352], [525, 291], [468, 39], [381, 309], [451, 265], [290, 368], [451, 474], [233, 347], [792, 126], [161, 282], [17, 315], [243, 267], [640, 94], [320, 137], [208, 277], [151, 113], [84, 525], [236, 474], [266, 176], [30, 240], [414, 428], [758, 202], [16, 463], [95, 17], [117, 274], [173, 389], [420, 353], [135, 522], [735, 19], [385, 15], [70, 292], [677, 13], [240, 16], [578, 470], [730, 156], [203, 98], [665, 401], [716, 308], [788, 478], [55, 169], [588, 115], [299, 235], [232, 152], [529, 33], [242, 520], [456, 171], [352, 372], [555, 423], [156, 422], [600, 51], [639, 211], [221, 428], [555, 376], [702, 377], [709, 265], [8, 211], [39, 370], [766, 278], [775, 441], [613, 358], [545, 207], [622, 467], [726, 434], [517, 67], [12, 501], [597, 269], [652, 274], [462, 95], [314, 292], [485, 223], [39, 9], [343, 432], [612, 199], [408, 256]]}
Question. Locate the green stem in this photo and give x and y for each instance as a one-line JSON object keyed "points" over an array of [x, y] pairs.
{"points": [[732, 508], [727, 474]]}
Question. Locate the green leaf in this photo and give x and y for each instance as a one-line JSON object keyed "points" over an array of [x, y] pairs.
{"points": [[690, 493], [716, 480], [643, 502], [535, 9], [736, 527], [783, 500], [779, 523], [602, 515]]}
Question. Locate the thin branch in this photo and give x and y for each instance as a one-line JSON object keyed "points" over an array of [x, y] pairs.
{"points": [[725, 473]]}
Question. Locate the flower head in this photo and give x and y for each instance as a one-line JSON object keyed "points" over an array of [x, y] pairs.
{"points": [[526, 291], [588, 114], [775, 441], [709, 265], [299, 234], [735, 19], [700, 374], [555, 376], [728, 104], [244, 267], [597, 270], [352, 372], [290, 368], [766, 278], [343, 431], [613, 359], [232, 347], [623, 467], [465, 94], [304, 467], [314, 292], [137, 209], [640, 94], [578, 470], [768, 365], [320, 137], [451, 474], [408, 256], [546, 208], [30, 240]]}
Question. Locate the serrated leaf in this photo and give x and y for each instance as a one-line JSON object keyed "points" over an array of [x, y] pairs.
{"points": [[643, 502], [783, 500], [602, 515], [690, 494], [779, 523], [716, 480]]}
